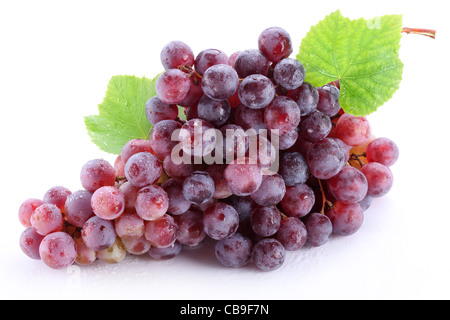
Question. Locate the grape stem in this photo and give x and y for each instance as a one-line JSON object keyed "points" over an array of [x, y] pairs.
{"points": [[423, 32], [356, 157], [324, 199]]}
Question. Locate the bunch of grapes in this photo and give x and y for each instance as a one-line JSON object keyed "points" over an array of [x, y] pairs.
{"points": [[312, 172]]}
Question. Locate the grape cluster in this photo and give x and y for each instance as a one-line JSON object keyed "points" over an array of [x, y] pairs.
{"points": [[313, 173]]}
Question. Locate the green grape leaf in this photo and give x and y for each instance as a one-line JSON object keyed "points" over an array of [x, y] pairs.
{"points": [[361, 54], [121, 115]]}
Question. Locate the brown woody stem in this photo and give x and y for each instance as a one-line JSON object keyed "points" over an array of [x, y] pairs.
{"points": [[424, 32]]}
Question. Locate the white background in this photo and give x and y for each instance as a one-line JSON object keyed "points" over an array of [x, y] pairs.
{"points": [[56, 58]]}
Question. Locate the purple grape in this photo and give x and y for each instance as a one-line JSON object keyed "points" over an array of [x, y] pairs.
{"points": [[315, 127], [198, 138], [271, 191], [152, 203], [177, 202], [108, 203], [199, 187], [347, 219], [26, 210], [190, 227], [213, 111], [47, 219], [249, 118], [354, 131], [268, 254], [235, 142], [256, 91], [265, 221], [29, 242], [58, 250], [98, 234], [275, 43], [208, 58], [57, 196], [242, 177], [329, 100], [379, 179], [130, 193], [285, 141], [293, 168], [136, 246], [319, 228], [289, 73], [143, 169], [298, 201], [348, 186], [177, 171], [325, 159], [251, 62], [175, 54], [173, 86], [235, 251], [307, 98], [220, 221], [163, 137], [157, 110], [96, 174], [233, 57], [78, 208], [292, 234], [165, 253], [283, 114], [366, 203], [382, 150], [162, 232], [216, 171], [129, 225], [220, 82], [194, 95], [243, 206]]}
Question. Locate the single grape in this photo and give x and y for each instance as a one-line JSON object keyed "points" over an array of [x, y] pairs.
{"points": [[319, 229], [275, 43], [293, 168], [136, 246], [248, 118], [292, 234], [347, 219], [29, 242], [242, 177], [85, 256], [114, 254], [348, 186], [98, 234], [78, 208], [157, 110], [233, 57], [220, 82], [129, 225], [216, 171], [298, 201], [162, 232], [198, 138], [177, 171], [220, 221], [108, 203], [243, 206], [119, 166], [315, 127], [251, 62], [283, 114], [195, 93], [353, 130], [165, 253], [47, 219], [256, 91], [163, 137], [344, 147], [130, 194], [265, 221], [379, 178], [289, 73], [325, 159], [175, 54], [271, 191], [235, 251], [213, 111], [329, 100], [382, 150], [366, 203], [96, 174], [208, 58], [58, 250], [268, 254], [235, 142], [306, 96], [152, 203], [190, 227], [199, 187], [135, 146], [177, 202], [57, 196], [143, 169], [285, 141], [26, 210], [173, 86]]}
